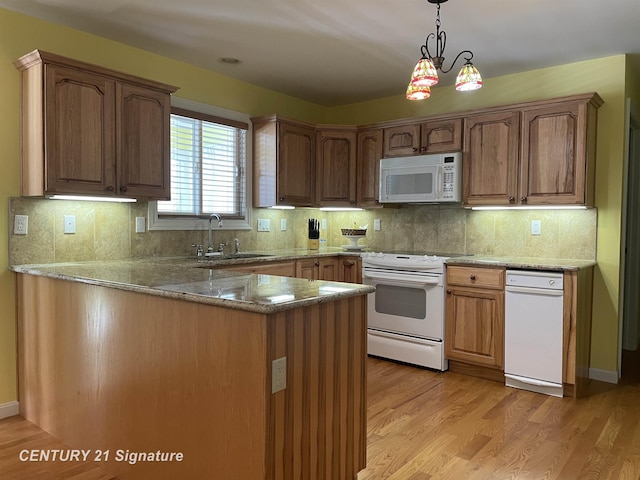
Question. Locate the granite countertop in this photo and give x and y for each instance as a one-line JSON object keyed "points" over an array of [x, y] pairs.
{"points": [[180, 277], [529, 263]]}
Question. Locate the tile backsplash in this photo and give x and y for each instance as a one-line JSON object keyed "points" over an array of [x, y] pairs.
{"points": [[107, 231]]}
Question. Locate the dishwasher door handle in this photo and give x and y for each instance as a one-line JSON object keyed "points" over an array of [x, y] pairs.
{"points": [[535, 291]]}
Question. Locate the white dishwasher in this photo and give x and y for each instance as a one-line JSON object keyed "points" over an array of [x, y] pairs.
{"points": [[533, 331]]}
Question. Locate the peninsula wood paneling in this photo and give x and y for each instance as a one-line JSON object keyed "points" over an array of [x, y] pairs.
{"points": [[109, 369], [318, 424]]}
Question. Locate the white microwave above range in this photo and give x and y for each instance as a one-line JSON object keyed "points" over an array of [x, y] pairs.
{"points": [[432, 178]]}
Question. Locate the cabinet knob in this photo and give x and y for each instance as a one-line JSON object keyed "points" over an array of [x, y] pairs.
{"points": [[281, 199], [423, 149], [123, 188], [350, 263], [472, 277], [415, 149], [512, 199], [523, 199], [110, 188], [448, 291], [317, 264]]}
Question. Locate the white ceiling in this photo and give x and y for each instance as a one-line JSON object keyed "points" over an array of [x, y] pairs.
{"points": [[334, 52]]}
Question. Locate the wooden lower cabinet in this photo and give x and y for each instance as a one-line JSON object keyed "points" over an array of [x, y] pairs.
{"points": [[107, 369], [350, 269], [318, 268], [474, 321]]}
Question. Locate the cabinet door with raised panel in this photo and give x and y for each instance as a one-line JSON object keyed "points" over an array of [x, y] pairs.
{"points": [[143, 143], [308, 268], [368, 157], [490, 162], [328, 269], [295, 183], [441, 136], [336, 167], [553, 155], [79, 132], [474, 326], [350, 269], [402, 140]]}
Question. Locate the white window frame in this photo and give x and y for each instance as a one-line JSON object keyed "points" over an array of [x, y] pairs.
{"points": [[158, 223]]}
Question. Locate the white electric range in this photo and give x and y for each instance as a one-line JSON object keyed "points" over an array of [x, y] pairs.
{"points": [[406, 312]]}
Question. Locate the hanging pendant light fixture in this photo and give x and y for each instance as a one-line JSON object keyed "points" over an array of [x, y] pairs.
{"points": [[425, 73]]}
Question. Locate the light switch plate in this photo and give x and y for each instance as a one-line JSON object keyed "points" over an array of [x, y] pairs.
{"points": [[283, 224], [264, 225], [536, 227], [140, 224], [69, 224], [21, 225], [323, 224], [376, 224]]}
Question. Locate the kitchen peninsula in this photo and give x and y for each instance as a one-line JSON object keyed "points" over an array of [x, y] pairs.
{"points": [[157, 355]]}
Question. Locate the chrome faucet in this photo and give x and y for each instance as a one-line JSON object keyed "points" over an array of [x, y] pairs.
{"points": [[211, 217], [237, 244]]}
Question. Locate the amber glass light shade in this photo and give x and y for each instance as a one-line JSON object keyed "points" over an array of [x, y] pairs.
{"points": [[424, 73], [469, 78], [417, 93]]}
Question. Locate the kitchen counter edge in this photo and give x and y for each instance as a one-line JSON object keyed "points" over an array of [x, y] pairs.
{"points": [[525, 263]]}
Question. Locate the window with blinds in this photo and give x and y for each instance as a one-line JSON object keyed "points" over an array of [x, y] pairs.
{"points": [[208, 166]]}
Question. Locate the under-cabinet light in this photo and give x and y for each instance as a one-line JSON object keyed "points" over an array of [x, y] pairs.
{"points": [[282, 207], [536, 207], [92, 199], [340, 209]]}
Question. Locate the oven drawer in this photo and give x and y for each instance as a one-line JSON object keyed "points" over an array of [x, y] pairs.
{"points": [[484, 277]]}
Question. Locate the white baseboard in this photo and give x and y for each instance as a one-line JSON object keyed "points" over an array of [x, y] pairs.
{"points": [[608, 376], [9, 409]]}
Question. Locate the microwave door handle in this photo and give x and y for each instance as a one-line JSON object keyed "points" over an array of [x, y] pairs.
{"points": [[439, 182]]}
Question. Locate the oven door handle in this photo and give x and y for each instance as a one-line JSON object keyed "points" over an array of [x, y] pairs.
{"points": [[399, 279]]}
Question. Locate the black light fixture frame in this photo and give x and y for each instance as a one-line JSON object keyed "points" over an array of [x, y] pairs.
{"points": [[440, 38]]}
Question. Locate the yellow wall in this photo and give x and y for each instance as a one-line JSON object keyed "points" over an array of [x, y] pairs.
{"points": [[20, 34]]}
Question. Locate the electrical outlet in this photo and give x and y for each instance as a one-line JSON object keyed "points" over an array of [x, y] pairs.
{"points": [[323, 224], [376, 224], [283, 224], [140, 226], [69, 224], [21, 225], [278, 374], [264, 225], [536, 227]]}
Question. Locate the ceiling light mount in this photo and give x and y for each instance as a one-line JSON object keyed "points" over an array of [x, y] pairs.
{"points": [[425, 73]]}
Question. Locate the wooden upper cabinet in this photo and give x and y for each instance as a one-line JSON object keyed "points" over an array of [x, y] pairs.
{"points": [[284, 168], [490, 160], [435, 136], [533, 154], [336, 167], [88, 130], [143, 143], [79, 139], [558, 149], [368, 156], [441, 136]]}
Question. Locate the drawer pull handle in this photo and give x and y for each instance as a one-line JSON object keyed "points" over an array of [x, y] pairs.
{"points": [[472, 277]]}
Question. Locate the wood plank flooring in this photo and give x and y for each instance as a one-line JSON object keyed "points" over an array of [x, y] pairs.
{"points": [[425, 425]]}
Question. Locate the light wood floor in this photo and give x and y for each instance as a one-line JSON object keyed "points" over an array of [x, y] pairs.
{"points": [[427, 425]]}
